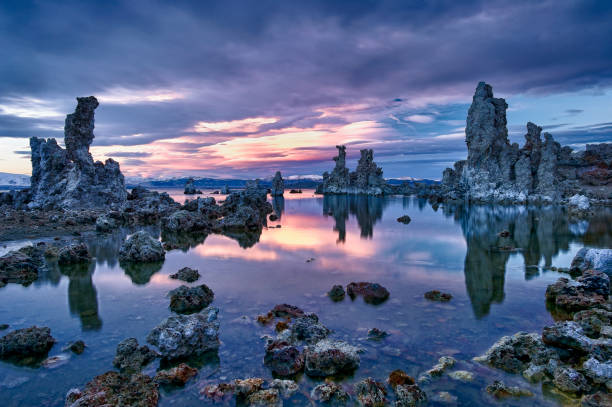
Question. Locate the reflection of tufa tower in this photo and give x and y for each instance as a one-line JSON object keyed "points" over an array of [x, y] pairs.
{"points": [[82, 295], [367, 209]]}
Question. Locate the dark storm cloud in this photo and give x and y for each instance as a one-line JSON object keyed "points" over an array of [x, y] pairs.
{"points": [[235, 59]]}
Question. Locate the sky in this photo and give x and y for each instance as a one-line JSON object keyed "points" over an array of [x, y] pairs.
{"points": [[241, 89]]}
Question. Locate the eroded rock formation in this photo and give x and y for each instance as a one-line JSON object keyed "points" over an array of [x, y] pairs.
{"points": [[69, 178], [278, 185], [366, 179], [540, 171]]}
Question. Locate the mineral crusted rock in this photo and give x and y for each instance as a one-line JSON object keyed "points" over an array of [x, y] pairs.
{"points": [[77, 347], [145, 207], [114, 389], [409, 395], [327, 358], [438, 369], [283, 359], [515, 353], [190, 188], [264, 398], [287, 310], [26, 342], [596, 259], [185, 221], [176, 376], [131, 358], [399, 377], [376, 334], [307, 328], [246, 210], [278, 185], [372, 293], [371, 393], [186, 299], [589, 290], [244, 387], [185, 335], [141, 247], [73, 254], [570, 381], [286, 388], [500, 390], [186, 274], [599, 372], [105, 224], [21, 266], [599, 399], [69, 178], [330, 393], [366, 179], [540, 171]]}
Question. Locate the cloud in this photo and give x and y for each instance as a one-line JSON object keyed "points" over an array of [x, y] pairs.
{"points": [[420, 118], [130, 154], [187, 82]]}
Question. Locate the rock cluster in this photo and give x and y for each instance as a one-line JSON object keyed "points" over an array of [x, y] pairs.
{"points": [[26, 342], [540, 171], [366, 179], [115, 389], [69, 178], [278, 185], [21, 266], [574, 355], [182, 336], [132, 358]]}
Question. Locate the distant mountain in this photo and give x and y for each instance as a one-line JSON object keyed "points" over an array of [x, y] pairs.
{"points": [[14, 181], [292, 181]]}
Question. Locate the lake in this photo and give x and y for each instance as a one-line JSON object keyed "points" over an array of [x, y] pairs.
{"points": [[498, 287]]}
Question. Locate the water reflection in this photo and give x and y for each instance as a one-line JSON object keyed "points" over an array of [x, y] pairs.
{"points": [[493, 234], [82, 295], [367, 210], [278, 205]]}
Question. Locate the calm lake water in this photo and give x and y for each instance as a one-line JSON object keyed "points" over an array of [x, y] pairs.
{"points": [[495, 293]]}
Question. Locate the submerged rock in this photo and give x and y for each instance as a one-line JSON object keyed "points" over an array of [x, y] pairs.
{"points": [[283, 359], [372, 293], [176, 376], [376, 334], [599, 399], [26, 342], [141, 247], [327, 358], [278, 185], [336, 293], [399, 377], [186, 299], [436, 295], [114, 389], [77, 347], [500, 390], [185, 335], [438, 369], [186, 274], [264, 398], [132, 358], [74, 253], [287, 310], [330, 393], [371, 393], [286, 388], [570, 381], [69, 178], [409, 395], [308, 328]]}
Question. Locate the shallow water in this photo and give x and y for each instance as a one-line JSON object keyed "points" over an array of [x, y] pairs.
{"points": [[495, 293]]}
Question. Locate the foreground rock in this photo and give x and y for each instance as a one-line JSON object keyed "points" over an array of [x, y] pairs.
{"points": [[371, 393], [177, 376], [587, 291], [187, 335], [500, 390], [330, 393], [186, 274], [69, 178], [73, 254], [592, 259], [278, 185], [328, 358], [21, 266], [27, 342], [114, 389], [336, 293], [190, 299], [141, 247], [283, 359], [366, 179], [132, 358], [372, 293], [540, 171]]}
